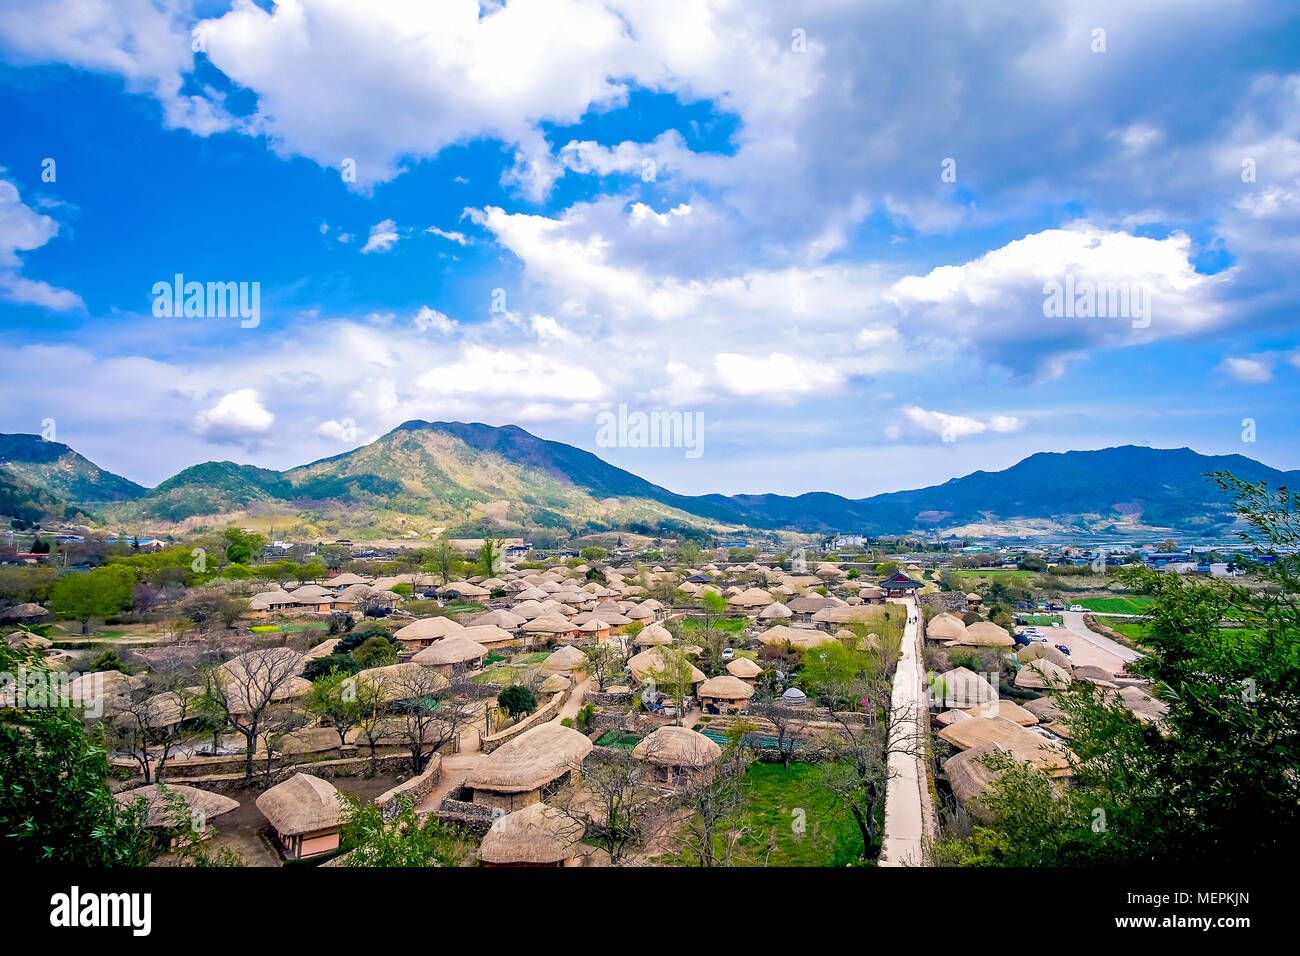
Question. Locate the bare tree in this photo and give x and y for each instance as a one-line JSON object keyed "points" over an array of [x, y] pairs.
{"points": [[713, 798], [615, 803], [246, 687], [429, 717]]}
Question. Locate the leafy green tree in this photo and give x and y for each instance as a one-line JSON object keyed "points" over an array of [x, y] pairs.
{"points": [[101, 593], [517, 700], [491, 555], [445, 560], [408, 839], [375, 652], [242, 546], [593, 553], [334, 700], [55, 803], [1213, 780]]}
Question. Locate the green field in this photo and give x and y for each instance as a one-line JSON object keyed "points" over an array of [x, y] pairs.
{"points": [[830, 836], [991, 572], [1116, 605]]}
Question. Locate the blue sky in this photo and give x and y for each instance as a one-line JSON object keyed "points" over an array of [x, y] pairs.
{"points": [[825, 227]]}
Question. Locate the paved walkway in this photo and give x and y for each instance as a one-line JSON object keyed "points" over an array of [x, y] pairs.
{"points": [[904, 799], [1073, 622]]}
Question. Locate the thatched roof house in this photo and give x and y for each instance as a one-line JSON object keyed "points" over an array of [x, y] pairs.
{"points": [[744, 668], [536, 835], [651, 662], [654, 635], [487, 634], [1041, 674], [946, 627], [305, 813], [1023, 743], [566, 660], [1041, 651], [724, 694], [176, 807], [985, 634], [402, 681], [514, 775], [800, 638], [451, 655], [961, 688], [969, 777], [676, 751], [423, 632], [555, 684]]}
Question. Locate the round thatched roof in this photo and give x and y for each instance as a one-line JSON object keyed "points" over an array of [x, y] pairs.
{"points": [[563, 661], [653, 635], [455, 649], [677, 747], [499, 618], [986, 634], [743, 668], [324, 648], [531, 760], [428, 629], [172, 805], [775, 611], [487, 634], [1041, 651], [726, 687], [751, 597], [302, 804], [537, 834], [946, 627], [555, 684], [846, 614], [798, 637], [549, 624], [1042, 673], [961, 688], [402, 681], [650, 662]]}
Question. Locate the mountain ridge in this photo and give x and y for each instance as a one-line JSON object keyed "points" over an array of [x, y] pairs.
{"points": [[473, 478]]}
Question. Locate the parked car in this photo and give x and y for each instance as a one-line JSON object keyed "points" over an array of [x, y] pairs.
{"points": [[1063, 649], [1022, 639], [1038, 638], [1077, 607], [728, 653]]}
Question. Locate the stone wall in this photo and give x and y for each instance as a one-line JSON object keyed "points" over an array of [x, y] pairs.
{"points": [[471, 818], [417, 788], [540, 716]]}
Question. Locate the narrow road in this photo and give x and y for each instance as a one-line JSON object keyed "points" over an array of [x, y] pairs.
{"points": [[904, 798], [1073, 621]]}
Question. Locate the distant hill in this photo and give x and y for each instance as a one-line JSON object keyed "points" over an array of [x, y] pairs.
{"points": [[59, 471], [474, 478]]}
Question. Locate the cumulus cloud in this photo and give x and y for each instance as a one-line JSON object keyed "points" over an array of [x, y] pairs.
{"points": [[237, 418], [21, 230], [383, 236]]}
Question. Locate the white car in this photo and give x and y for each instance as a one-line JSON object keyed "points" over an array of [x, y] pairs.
{"points": [[728, 653], [1077, 607]]}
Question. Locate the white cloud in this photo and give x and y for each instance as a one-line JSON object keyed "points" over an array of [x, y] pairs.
{"points": [[383, 236], [21, 230], [1247, 370], [427, 319], [238, 418], [949, 428], [456, 237], [776, 375]]}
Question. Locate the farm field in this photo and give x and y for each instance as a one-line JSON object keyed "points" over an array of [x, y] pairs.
{"points": [[1135, 604]]}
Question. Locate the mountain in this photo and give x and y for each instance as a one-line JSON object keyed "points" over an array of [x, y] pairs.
{"points": [[473, 479], [60, 472]]}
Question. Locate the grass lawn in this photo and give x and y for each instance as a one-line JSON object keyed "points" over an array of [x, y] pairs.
{"points": [[830, 836], [1134, 630], [1117, 605], [506, 673], [619, 739], [991, 572], [729, 624]]}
